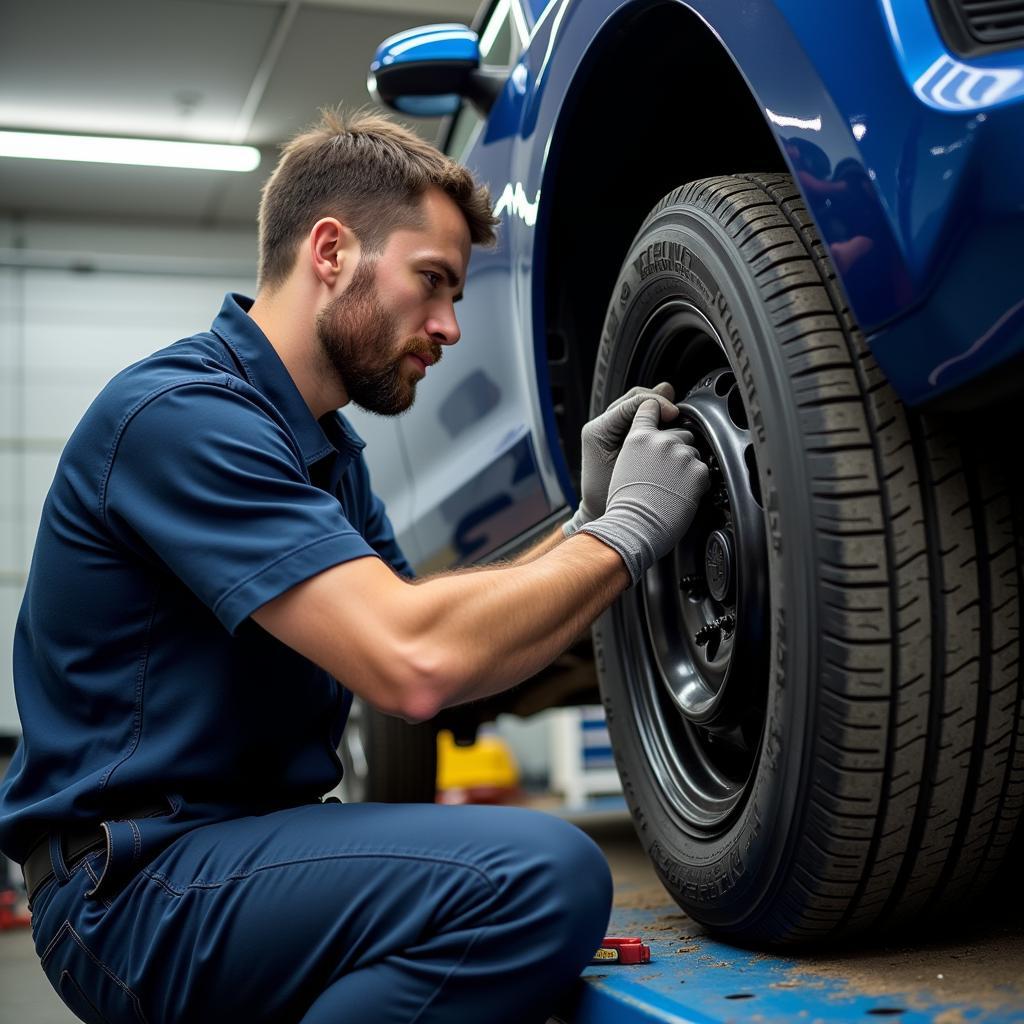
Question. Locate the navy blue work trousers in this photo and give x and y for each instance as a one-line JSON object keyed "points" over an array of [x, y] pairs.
{"points": [[334, 913]]}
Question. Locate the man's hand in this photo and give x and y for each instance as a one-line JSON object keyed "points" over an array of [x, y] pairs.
{"points": [[655, 487], [602, 440]]}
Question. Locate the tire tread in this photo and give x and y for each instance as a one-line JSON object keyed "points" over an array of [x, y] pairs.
{"points": [[921, 625]]}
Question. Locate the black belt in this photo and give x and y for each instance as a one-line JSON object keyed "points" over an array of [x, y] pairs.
{"points": [[38, 868]]}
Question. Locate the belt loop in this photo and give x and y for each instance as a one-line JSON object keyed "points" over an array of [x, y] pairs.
{"points": [[57, 859], [123, 846]]}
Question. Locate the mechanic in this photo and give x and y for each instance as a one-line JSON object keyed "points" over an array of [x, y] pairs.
{"points": [[213, 579]]}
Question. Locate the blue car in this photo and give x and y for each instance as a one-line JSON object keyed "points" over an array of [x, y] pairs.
{"points": [[809, 218]]}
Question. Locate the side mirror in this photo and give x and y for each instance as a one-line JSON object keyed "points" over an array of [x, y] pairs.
{"points": [[428, 71]]}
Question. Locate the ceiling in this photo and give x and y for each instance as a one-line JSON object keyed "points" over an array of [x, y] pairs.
{"points": [[252, 71]]}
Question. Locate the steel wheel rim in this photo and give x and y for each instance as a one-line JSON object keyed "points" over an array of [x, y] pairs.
{"points": [[701, 706]]}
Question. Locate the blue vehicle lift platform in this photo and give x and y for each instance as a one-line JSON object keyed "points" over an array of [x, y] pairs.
{"points": [[694, 979]]}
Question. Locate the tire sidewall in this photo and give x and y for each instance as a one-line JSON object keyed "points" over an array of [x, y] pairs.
{"points": [[683, 253]]}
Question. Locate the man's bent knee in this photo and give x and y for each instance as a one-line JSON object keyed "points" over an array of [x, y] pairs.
{"points": [[563, 889]]}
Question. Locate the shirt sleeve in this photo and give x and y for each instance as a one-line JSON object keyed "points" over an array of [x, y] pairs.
{"points": [[205, 479]]}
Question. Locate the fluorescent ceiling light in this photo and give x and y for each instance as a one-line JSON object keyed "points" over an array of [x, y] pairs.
{"points": [[95, 149]]}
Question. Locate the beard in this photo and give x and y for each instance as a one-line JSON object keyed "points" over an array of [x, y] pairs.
{"points": [[359, 338]]}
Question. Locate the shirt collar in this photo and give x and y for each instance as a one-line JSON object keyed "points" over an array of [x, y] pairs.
{"points": [[265, 372]]}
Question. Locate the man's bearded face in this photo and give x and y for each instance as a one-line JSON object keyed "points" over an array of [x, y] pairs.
{"points": [[360, 338]]}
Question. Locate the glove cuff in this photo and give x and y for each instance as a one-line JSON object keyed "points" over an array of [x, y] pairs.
{"points": [[627, 538]]}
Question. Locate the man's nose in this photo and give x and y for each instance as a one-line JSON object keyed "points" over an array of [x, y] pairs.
{"points": [[444, 329]]}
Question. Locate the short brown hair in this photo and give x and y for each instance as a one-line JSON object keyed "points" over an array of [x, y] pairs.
{"points": [[369, 172]]}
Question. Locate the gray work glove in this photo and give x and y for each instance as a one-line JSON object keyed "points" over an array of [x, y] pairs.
{"points": [[602, 439], [656, 485]]}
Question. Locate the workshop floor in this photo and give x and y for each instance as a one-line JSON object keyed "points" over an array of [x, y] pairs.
{"points": [[982, 966], [974, 972]]}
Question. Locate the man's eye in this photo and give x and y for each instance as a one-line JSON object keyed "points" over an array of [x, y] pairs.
{"points": [[433, 279]]}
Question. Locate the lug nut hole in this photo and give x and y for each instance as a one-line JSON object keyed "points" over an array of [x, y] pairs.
{"points": [[753, 479], [724, 382], [737, 413]]}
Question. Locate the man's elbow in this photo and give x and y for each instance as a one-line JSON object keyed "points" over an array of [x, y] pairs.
{"points": [[418, 712], [423, 682]]}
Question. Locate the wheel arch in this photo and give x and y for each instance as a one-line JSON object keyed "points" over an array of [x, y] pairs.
{"points": [[594, 215]]}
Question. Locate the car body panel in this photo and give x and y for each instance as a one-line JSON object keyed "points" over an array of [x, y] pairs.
{"points": [[901, 175]]}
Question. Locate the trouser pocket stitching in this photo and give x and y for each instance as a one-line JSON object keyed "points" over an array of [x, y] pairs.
{"points": [[61, 932], [68, 929], [67, 981]]}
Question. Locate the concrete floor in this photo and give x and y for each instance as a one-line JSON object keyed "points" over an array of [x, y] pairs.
{"points": [[25, 994], [982, 965]]}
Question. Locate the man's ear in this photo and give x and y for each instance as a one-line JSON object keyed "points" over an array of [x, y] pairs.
{"points": [[333, 250]]}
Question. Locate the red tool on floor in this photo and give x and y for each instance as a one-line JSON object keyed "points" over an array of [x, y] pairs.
{"points": [[10, 916], [622, 950]]}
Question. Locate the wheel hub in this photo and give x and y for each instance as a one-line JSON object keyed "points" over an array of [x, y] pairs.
{"points": [[706, 603], [718, 567]]}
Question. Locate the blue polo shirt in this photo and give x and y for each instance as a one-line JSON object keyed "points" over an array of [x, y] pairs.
{"points": [[197, 487]]}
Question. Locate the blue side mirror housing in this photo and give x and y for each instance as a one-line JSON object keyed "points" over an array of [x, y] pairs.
{"points": [[428, 71]]}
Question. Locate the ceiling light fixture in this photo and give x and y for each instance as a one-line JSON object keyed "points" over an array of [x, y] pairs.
{"points": [[97, 149]]}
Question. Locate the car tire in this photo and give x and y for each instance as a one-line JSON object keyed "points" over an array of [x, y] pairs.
{"points": [[851, 754], [386, 759]]}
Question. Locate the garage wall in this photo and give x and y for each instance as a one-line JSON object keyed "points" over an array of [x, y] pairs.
{"points": [[78, 302]]}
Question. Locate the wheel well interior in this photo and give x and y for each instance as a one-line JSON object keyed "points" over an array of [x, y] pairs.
{"points": [[660, 105]]}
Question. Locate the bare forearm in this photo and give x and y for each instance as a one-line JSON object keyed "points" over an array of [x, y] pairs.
{"points": [[411, 649], [499, 626]]}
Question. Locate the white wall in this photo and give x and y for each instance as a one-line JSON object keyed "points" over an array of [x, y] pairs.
{"points": [[78, 302]]}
